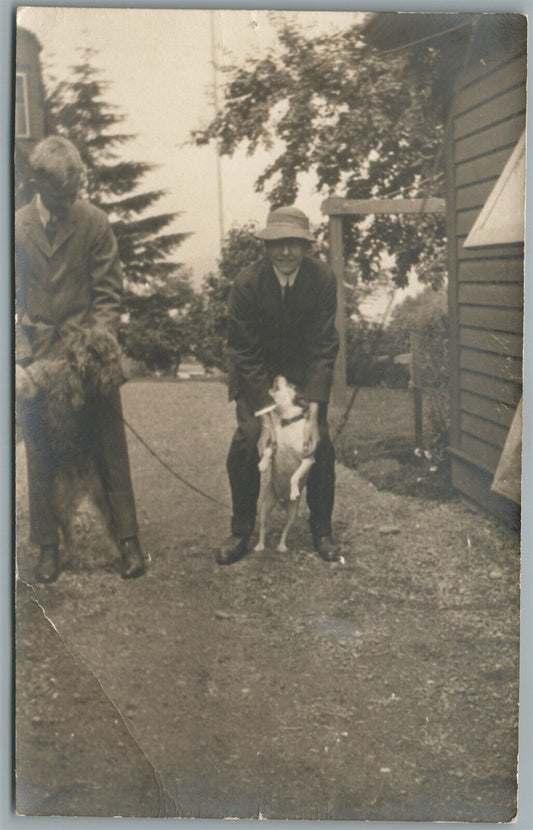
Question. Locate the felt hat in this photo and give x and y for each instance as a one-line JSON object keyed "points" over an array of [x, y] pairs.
{"points": [[286, 223]]}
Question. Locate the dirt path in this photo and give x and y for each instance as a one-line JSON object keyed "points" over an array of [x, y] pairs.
{"points": [[381, 687]]}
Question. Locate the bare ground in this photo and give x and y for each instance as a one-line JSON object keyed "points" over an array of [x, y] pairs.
{"points": [[381, 687]]}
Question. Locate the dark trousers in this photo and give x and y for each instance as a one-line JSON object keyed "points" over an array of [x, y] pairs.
{"points": [[100, 433], [244, 475]]}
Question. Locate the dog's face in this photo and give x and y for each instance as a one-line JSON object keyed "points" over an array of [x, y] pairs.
{"points": [[283, 393]]}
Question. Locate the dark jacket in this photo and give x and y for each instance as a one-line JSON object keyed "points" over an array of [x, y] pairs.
{"points": [[75, 283], [265, 339]]}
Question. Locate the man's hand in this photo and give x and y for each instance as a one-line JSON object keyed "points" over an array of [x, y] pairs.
{"points": [[311, 431], [25, 386], [267, 436]]}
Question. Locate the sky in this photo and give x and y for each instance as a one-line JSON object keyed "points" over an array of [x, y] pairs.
{"points": [[159, 66]]}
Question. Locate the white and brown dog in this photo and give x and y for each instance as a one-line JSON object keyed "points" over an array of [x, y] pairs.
{"points": [[284, 466]]}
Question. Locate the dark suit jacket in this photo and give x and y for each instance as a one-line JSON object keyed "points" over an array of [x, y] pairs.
{"points": [[75, 283], [265, 339]]}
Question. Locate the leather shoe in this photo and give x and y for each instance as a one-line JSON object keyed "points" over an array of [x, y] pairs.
{"points": [[48, 565], [326, 548], [133, 561], [232, 549]]}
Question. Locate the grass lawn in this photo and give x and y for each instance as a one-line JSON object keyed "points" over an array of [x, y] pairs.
{"points": [[378, 440]]}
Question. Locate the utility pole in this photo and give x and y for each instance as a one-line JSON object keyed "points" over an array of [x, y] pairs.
{"points": [[220, 198]]}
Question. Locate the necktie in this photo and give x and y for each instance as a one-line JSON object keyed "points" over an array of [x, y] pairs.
{"points": [[286, 295], [51, 228]]}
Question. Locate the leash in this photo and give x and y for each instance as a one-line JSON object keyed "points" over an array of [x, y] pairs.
{"points": [[344, 419], [190, 485], [172, 471]]}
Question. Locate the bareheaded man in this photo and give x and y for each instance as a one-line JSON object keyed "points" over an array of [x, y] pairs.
{"points": [[68, 278]]}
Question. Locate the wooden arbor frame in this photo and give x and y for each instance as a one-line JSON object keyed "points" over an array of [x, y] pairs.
{"points": [[337, 209]]}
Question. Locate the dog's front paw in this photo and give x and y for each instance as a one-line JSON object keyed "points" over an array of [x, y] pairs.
{"points": [[259, 548], [282, 548]]}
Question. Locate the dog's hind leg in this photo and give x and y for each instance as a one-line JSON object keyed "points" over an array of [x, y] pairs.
{"points": [[266, 460], [266, 503], [292, 512]]}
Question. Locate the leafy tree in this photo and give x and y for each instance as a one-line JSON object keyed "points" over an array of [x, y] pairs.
{"points": [[366, 124], [207, 316]]}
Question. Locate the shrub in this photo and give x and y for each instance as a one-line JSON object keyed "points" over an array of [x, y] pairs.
{"points": [[367, 360], [363, 348]]}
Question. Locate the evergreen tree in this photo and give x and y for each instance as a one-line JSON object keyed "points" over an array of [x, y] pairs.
{"points": [[77, 109], [157, 287]]}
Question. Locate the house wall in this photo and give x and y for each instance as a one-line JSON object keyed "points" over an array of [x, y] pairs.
{"points": [[486, 284], [28, 63]]}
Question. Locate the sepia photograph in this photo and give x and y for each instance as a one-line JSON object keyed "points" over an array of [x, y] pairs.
{"points": [[269, 296]]}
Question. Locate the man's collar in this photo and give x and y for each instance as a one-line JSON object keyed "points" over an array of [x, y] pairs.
{"points": [[284, 280], [44, 213]]}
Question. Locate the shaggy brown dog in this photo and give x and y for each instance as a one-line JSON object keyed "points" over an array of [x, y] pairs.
{"points": [[88, 364]]}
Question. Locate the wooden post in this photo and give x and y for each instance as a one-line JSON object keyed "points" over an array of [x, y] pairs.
{"points": [[336, 208], [336, 260], [419, 430]]}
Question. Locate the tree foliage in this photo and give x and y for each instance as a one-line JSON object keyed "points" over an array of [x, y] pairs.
{"points": [[366, 124], [208, 313]]}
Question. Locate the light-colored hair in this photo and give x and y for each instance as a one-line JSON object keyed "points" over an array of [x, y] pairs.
{"points": [[57, 158]]}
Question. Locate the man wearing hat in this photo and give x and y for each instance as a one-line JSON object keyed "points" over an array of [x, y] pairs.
{"points": [[281, 322]]}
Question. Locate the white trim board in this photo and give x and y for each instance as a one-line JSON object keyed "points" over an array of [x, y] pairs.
{"points": [[501, 220]]}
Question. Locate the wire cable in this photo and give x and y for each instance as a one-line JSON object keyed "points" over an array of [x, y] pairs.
{"points": [[433, 36], [196, 489], [172, 471]]}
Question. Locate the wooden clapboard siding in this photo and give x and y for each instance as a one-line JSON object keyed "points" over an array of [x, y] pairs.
{"points": [[481, 169], [495, 365], [503, 391], [476, 91], [474, 195], [483, 429], [495, 270], [502, 294], [486, 116], [465, 219], [491, 341], [495, 411], [495, 319], [493, 138], [496, 251], [485, 283], [483, 454]]}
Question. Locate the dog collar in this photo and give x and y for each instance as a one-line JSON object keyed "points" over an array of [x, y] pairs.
{"points": [[286, 421]]}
